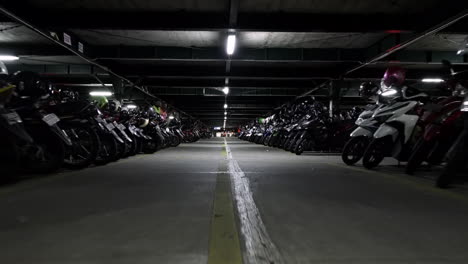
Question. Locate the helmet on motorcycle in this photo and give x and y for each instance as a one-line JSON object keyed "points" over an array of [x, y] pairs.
{"points": [[368, 89], [113, 106], [394, 76], [102, 101]]}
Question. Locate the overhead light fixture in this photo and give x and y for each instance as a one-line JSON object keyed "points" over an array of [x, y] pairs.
{"points": [[225, 118], [465, 103], [225, 113], [171, 117], [226, 90], [463, 47], [131, 106], [231, 44], [8, 58], [225, 106], [100, 93], [432, 80]]}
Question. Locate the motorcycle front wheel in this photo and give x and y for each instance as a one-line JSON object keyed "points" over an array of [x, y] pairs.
{"points": [[301, 146], [107, 151], [375, 153], [47, 155], [354, 150], [84, 150]]}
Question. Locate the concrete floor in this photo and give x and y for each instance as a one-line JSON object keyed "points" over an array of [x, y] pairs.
{"points": [[158, 209]]}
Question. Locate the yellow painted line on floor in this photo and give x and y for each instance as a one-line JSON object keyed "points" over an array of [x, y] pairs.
{"points": [[402, 180], [224, 245]]}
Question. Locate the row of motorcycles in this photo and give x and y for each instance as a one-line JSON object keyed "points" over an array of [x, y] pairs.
{"points": [[43, 129], [402, 123], [411, 127], [304, 125]]}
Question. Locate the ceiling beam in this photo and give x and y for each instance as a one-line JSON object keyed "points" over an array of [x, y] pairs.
{"points": [[212, 21]]}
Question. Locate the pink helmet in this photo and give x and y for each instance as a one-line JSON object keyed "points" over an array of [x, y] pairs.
{"points": [[394, 76]]}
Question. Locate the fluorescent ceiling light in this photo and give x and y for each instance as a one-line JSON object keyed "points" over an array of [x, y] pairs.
{"points": [[131, 106], [465, 103], [100, 93], [8, 58], [231, 44], [226, 90], [432, 80], [225, 106], [171, 117]]}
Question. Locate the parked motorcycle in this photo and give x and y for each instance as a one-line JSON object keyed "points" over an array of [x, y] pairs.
{"points": [[395, 137]]}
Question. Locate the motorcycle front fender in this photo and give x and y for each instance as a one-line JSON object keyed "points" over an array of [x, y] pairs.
{"points": [[117, 137], [386, 130], [361, 132], [61, 134]]}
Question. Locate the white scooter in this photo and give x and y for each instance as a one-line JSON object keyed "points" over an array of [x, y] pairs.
{"points": [[360, 137], [367, 125], [392, 138]]}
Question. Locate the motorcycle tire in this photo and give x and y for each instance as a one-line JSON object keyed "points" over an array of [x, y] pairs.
{"points": [[300, 146], [287, 144], [84, 150], [375, 153], [293, 144], [133, 146], [175, 141], [122, 150], [50, 149], [139, 147], [354, 150], [107, 151], [150, 146], [418, 155]]}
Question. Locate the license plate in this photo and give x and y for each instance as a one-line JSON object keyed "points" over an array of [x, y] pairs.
{"points": [[110, 126], [51, 119], [12, 118]]}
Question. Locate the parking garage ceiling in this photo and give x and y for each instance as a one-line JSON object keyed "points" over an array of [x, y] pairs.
{"points": [[176, 49]]}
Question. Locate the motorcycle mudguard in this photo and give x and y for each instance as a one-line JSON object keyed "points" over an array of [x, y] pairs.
{"points": [[386, 130], [61, 134], [361, 132], [117, 137]]}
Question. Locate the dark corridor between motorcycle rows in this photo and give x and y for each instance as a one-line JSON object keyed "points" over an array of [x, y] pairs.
{"points": [[227, 197], [233, 132]]}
